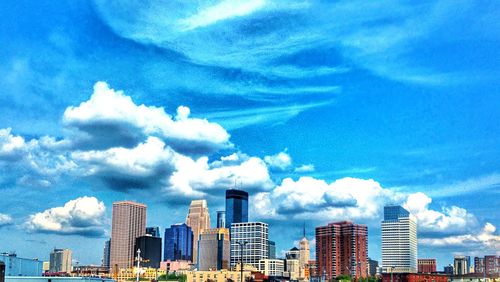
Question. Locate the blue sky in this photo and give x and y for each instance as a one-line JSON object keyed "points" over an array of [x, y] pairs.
{"points": [[322, 110]]}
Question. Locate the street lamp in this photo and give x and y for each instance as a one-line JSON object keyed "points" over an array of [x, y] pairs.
{"points": [[392, 270], [242, 245]]}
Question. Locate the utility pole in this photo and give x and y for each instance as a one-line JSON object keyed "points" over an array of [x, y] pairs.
{"points": [[138, 264], [242, 246]]}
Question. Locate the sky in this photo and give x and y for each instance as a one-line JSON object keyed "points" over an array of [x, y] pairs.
{"points": [[322, 110]]}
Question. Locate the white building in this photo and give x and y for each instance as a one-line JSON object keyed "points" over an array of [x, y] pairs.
{"points": [[272, 267], [256, 236], [399, 241], [60, 261]]}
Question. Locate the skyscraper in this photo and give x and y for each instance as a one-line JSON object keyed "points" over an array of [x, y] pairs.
{"points": [[236, 207], [256, 236], [178, 243], [272, 249], [342, 249], [60, 261], [221, 219], [461, 265], [214, 249], [399, 240], [128, 223], [153, 231], [305, 252], [106, 254], [198, 219], [150, 250]]}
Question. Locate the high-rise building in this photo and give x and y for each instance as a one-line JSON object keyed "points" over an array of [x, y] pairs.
{"points": [[342, 249], [150, 250], [372, 267], [272, 249], [60, 261], [461, 265], [153, 231], [399, 240], [128, 223], [106, 254], [255, 237], [221, 219], [236, 207], [305, 252], [178, 243], [293, 253], [198, 219], [214, 249], [426, 265]]}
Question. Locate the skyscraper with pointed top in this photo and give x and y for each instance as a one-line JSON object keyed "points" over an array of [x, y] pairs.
{"points": [[304, 251]]}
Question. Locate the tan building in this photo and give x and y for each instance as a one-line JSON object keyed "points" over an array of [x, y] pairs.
{"points": [[304, 257], [216, 276], [214, 249], [198, 219], [144, 273], [272, 267], [128, 223], [60, 261]]}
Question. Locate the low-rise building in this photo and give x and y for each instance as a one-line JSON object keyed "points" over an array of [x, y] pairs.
{"points": [[414, 277], [171, 266], [426, 265], [126, 274], [16, 266], [216, 276], [272, 267]]}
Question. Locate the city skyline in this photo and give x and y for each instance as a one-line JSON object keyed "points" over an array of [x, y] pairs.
{"points": [[319, 120]]}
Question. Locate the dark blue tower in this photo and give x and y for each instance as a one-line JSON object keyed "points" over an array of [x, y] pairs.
{"points": [[178, 243], [236, 207]]}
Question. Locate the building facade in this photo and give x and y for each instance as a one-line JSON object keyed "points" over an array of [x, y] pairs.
{"points": [[426, 265], [490, 264], [178, 243], [272, 267], [372, 267], [198, 219], [214, 249], [342, 249], [256, 236], [217, 276], [236, 207], [153, 231], [221, 219], [128, 223], [150, 250], [272, 249], [461, 265], [61, 260], [106, 254], [16, 266], [414, 277], [399, 241]]}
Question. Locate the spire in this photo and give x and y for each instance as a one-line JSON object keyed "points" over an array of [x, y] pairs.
{"points": [[304, 230]]}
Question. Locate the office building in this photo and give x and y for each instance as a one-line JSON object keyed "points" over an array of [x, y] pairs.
{"points": [[293, 253], [16, 266], [198, 219], [272, 267], [448, 270], [236, 207], [217, 276], [153, 231], [399, 240], [128, 223], [256, 236], [372, 267], [221, 219], [426, 265], [272, 249], [214, 249], [461, 265], [415, 277], [304, 249], [313, 270], [490, 264], [342, 249], [60, 261], [293, 268], [106, 254], [178, 243], [150, 250]]}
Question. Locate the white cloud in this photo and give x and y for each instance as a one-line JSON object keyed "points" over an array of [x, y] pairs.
{"points": [[82, 216], [487, 239], [110, 118], [221, 11], [5, 219], [450, 219], [280, 161], [10, 146], [304, 168]]}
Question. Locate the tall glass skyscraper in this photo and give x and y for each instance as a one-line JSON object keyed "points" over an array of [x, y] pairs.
{"points": [[178, 243], [221, 219], [236, 207], [399, 240]]}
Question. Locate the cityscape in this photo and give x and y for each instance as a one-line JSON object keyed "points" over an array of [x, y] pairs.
{"points": [[249, 140]]}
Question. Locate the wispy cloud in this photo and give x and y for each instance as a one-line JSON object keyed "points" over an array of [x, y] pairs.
{"points": [[467, 186]]}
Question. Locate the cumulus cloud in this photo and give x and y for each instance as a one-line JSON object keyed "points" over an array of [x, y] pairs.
{"points": [[486, 240], [5, 219], [111, 119], [305, 168], [82, 216], [10, 146], [280, 161]]}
